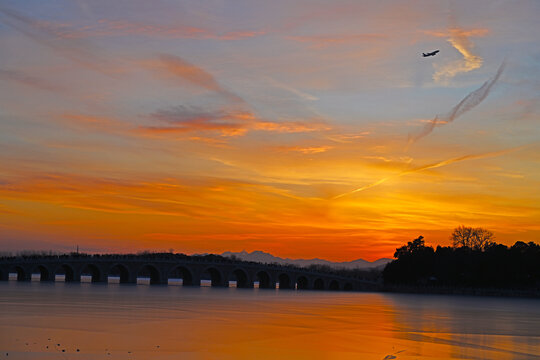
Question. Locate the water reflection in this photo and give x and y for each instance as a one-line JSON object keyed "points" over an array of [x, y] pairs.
{"points": [[173, 322], [470, 327]]}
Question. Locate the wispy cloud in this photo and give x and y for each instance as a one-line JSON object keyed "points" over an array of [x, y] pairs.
{"points": [[46, 33], [324, 41], [348, 138], [187, 119], [182, 119], [108, 27], [6, 211], [290, 126], [291, 89], [204, 198], [25, 79], [389, 161], [108, 195], [467, 103], [92, 122], [190, 73], [220, 142], [431, 166], [308, 150], [459, 38]]}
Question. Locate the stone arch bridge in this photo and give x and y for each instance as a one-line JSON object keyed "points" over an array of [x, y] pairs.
{"points": [[190, 269]]}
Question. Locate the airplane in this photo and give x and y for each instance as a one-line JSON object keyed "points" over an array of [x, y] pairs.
{"points": [[430, 54]]}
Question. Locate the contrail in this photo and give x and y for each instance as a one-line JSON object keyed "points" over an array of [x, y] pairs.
{"points": [[468, 103], [431, 166]]}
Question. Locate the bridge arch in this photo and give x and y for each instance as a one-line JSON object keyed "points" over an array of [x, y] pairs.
{"points": [[264, 279], [302, 283], [21, 273], [348, 286], [334, 285], [181, 272], [150, 271], [284, 281], [318, 284], [92, 271], [241, 277], [44, 273], [214, 275], [67, 271], [119, 270]]}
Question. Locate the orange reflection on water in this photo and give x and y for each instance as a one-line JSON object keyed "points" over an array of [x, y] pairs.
{"points": [[159, 322]]}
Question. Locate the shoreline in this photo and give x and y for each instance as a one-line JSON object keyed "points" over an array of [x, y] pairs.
{"points": [[395, 289]]}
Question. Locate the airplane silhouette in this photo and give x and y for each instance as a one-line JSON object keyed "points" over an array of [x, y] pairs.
{"points": [[430, 54]]}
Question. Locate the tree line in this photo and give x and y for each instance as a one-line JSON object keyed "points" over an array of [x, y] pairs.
{"points": [[474, 261]]}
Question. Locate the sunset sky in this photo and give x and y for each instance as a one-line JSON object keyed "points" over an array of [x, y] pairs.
{"points": [[301, 128]]}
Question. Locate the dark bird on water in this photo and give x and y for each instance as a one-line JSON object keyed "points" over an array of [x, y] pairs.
{"points": [[433, 53]]}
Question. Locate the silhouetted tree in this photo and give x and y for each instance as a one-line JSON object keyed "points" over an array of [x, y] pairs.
{"points": [[473, 238], [411, 248], [493, 266], [413, 264]]}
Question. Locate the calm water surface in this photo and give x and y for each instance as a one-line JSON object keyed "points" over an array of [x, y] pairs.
{"points": [[160, 322]]}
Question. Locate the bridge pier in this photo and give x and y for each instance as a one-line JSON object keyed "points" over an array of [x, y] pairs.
{"points": [[101, 278], [132, 279], [76, 277], [195, 280]]}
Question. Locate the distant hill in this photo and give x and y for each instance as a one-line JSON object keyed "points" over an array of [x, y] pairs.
{"points": [[263, 257]]}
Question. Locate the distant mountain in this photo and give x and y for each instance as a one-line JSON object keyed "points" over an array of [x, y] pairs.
{"points": [[263, 257]]}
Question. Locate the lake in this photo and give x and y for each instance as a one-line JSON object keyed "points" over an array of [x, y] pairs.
{"points": [[40, 320]]}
